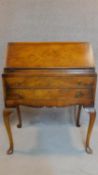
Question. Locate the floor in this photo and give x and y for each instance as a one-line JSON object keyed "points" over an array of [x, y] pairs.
{"points": [[49, 143]]}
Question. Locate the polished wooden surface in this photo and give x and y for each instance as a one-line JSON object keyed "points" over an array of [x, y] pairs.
{"points": [[67, 55], [49, 74], [50, 90], [66, 81]]}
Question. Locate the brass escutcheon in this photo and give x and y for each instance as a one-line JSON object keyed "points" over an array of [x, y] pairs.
{"points": [[79, 94]]}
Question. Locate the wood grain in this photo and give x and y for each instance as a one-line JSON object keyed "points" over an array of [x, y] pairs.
{"points": [[49, 74], [67, 81], [64, 54]]}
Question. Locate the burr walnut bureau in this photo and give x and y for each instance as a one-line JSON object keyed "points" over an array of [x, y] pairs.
{"points": [[49, 74]]}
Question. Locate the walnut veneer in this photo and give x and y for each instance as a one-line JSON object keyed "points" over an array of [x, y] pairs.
{"points": [[49, 74]]}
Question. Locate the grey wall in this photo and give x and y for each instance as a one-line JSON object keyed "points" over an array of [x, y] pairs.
{"points": [[47, 20]]}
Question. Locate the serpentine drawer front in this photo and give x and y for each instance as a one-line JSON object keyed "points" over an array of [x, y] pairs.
{"points": [[49, 74]]}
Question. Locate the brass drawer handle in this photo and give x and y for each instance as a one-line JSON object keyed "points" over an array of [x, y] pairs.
{"points": [[79, 94], [79, 83], [88, 85]]}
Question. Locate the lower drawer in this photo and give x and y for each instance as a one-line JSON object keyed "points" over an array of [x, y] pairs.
{"points": [[68, 96]]}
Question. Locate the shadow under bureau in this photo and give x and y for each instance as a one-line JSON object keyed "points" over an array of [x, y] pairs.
{"points": [[49, 74]]}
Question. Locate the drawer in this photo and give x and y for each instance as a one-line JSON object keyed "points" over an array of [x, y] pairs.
{"points": [[49, 82], [68, 95]]}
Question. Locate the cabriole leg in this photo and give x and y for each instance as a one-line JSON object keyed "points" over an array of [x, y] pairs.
{"points": [[78, 116], [19, 125], [6, 117], [92, 115]]}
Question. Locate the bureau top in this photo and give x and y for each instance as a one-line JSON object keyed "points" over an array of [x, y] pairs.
{"points": [[50, 55]]}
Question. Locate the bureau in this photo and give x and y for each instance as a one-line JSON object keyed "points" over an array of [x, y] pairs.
{"points": [[49, 74]]}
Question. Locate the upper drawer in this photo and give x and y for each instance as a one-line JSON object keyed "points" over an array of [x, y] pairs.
{"points": [[67, 81]]}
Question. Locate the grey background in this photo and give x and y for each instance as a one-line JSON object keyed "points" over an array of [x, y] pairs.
{"points": [[47, 20]]}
